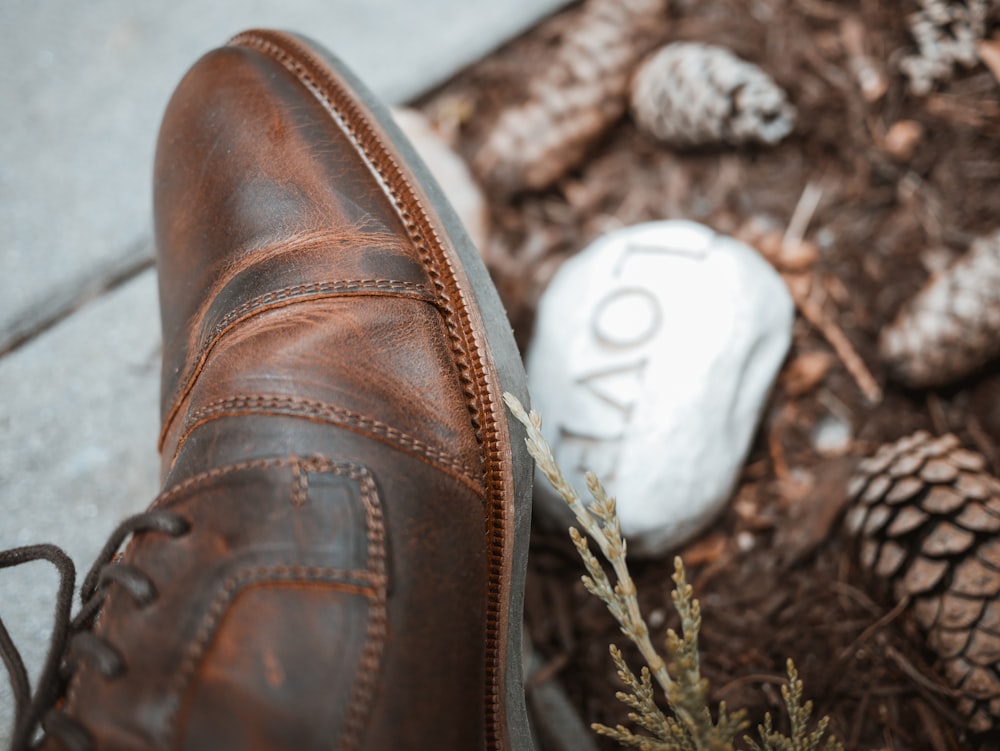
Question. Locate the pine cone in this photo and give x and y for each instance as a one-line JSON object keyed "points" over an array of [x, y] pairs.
{"points": [[927, 516], [575, 99], [694, 94], [946, 34], [952, 326]]}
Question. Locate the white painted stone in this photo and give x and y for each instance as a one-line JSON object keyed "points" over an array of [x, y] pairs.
{"points": [[654, 351]]}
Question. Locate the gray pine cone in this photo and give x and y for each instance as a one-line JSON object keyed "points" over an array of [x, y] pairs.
{"points": [[952, 326], [946, 33], [926, 515], [575, 99], [690, 94]]}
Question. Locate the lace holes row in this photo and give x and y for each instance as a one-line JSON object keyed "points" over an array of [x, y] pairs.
{"points": [[174, 524], [71, 733], [105, 658]]}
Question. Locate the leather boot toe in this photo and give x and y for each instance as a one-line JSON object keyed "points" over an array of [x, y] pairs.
{"points": [[350, 504]]}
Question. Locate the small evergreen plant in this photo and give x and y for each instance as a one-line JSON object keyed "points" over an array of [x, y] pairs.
{"points": [[690, 724]]}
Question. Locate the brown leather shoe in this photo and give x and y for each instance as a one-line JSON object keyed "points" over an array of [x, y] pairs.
{"points": [[336, 559]]}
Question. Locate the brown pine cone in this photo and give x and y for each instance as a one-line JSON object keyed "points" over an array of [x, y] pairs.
{"points": [[574, 100], [926, 515], [952, 326]]}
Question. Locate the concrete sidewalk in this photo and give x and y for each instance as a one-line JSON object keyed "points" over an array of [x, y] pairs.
{"points": [[83, 87]]}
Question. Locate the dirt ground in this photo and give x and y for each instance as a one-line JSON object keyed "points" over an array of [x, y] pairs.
{"points": [[775, 575]]}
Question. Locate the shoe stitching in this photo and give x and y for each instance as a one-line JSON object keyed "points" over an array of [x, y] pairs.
{"points": [[470, 363], [300, 485], [320, 287], [169, 494], [366, 584], [372, 581], [366, 681], [299, 244], [422, 234], [164, 499], [277, 404], [280, 298]]}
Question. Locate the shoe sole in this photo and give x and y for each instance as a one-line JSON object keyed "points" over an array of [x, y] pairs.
{"points": [[484, 348]]}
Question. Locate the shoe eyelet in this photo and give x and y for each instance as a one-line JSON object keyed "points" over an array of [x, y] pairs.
{"points": [[105, 658], [169, 522], [180, 527]]}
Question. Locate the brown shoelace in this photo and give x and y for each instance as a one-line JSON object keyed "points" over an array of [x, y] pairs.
{"points": [[72, 639]]}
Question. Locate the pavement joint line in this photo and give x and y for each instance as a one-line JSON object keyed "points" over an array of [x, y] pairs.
{"points": [[64, 302]]}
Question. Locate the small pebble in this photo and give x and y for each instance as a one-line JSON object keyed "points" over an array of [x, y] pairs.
{"points": [[745, 541], [902, 139], [831, 436], [657, 618]]}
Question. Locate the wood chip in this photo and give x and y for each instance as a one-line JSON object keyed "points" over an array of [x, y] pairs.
{"points": [[803, 374], [706, 550]]}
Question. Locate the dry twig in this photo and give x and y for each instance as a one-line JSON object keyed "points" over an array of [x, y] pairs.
{"points": [[801, 287]]}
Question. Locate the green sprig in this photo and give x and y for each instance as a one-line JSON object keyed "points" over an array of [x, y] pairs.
{"points": [[691, 726]]}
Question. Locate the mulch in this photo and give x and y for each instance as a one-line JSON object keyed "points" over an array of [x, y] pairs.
{"points": [[775, 574]]}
